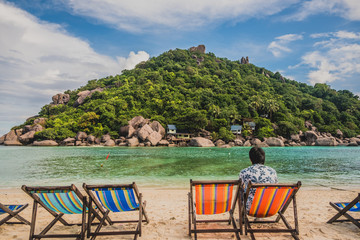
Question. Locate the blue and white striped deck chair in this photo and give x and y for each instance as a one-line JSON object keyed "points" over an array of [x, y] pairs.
{"points": [[57, 201], [12, 211], [115, 198], [343, 208]]}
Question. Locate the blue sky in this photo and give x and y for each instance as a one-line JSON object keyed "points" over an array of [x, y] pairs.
{"points": [[47, 47]]}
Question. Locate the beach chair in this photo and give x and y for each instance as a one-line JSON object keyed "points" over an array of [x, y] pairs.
{"points": [[271, 200], [343, 208], [12, 211], [213, 197], [115, 198], [57, 201]]}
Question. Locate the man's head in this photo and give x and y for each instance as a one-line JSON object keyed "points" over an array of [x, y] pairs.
{"points": [[257, 155]]}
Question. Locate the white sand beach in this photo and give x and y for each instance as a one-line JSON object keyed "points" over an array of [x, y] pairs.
{"points": [[168, 213]]}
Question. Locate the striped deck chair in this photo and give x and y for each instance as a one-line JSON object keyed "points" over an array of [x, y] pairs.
{"points": [[57, 201], [343, 208], [12, 211], [115, 198], [213, 197], [271, 200]]}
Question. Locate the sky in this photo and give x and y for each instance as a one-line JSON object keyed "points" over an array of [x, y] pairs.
{"points": [[50, 46]]}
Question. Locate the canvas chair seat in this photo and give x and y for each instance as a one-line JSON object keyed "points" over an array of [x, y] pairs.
{"points": [[12, 211], [116, 199], [343, 208]]}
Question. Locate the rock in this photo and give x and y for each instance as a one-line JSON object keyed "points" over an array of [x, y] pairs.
{"points": [[69, 144], [83, 144], [295, 137], [310, 137], [225, 146], [12, 143], [145, 131], [84, 94], [201, 142], [78, 143], [2, 139], [238, 142], [352, 144], [27, 128], [172, 145], [262, 144], [357, 140], [109, 143], [91, 139], [274, 142], [231, 144], [219, 143], [60, 98], [154, 138], [247, 143], [37, 128], [302, 143], [45, 143], [147, 144], [41, 121], [105, 138], [156, 126], [138, 122], [97, 141], [69, 140], [326, 141], [11, 136], [163, 143], [81, 136], [308, 125], [182, 144], [201, 49], [123, 144], [27, 137], [132, 142], [255, 141], [141, 145], [244, 60]]}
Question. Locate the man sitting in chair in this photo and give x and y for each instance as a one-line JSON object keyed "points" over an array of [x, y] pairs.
{"points": [[256, 173]]}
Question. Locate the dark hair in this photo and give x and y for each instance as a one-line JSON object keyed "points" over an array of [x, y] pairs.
{"points": [[257, 155]]}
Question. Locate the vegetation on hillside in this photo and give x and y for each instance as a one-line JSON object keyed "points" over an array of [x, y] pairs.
{"points": [[174, 89]]}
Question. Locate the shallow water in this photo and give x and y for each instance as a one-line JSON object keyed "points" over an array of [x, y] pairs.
{"points": [[314, 166]]}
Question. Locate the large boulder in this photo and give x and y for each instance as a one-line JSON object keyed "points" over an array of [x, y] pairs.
{"points": [[154, 138], [355, 139], [238, 142], [109, 143], [84, 94], [11, 136], [274, 142], [144, 132], [310, 137], [105, 138], [255, 141], [163, 143], [37, 128], [219, 143], [91, 139], [138, 122], [41, 121], [201, 49], [60, 98], [156, 126], [2, 139], [247, 143], [27, 137], [326, 141], [45, 143], [12, 143], [201, 142], [81, 136], [132, 142], [262, 145], [295, 137]]}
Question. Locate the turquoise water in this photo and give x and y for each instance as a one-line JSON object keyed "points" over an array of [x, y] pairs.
{"points": [[314, 166]]}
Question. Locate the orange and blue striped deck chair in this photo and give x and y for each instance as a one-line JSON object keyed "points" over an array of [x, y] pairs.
{"points": [[344, 208], [116, 199], [271, 200], [57, 201], [214, 197], [12, 211]]}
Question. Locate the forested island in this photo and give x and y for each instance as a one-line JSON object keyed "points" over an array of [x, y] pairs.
{"points": [[201, 93]]}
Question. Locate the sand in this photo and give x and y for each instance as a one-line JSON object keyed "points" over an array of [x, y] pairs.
{"points": [[168, 213]]}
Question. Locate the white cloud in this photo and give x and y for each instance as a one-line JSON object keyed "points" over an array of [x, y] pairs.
{"points": [[348, 9], [144, 15], [281, 44], [336, 58], [39, 59]]}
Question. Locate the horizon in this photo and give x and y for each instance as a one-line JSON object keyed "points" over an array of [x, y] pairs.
{"points": [[50, 47]]}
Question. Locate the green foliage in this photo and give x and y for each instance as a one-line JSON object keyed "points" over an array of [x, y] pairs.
{"points": [[226, 134], [174, 89]]}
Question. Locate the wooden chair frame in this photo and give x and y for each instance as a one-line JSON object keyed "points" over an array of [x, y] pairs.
{"points": [[57, 216], [231, 221], [13, 214], [105, 212], [343, 212], [293, 231]]}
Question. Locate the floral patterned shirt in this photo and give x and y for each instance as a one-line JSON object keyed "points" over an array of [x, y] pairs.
{"points": [[257, 173]]}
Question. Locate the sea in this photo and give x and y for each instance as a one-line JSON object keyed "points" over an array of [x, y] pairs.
{"points": [[173, 167]]}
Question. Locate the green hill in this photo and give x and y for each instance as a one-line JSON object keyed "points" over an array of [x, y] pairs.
{"points": [[201, 91]]}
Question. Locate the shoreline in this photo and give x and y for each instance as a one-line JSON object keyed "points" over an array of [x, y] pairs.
{"points": [[168, 213]]}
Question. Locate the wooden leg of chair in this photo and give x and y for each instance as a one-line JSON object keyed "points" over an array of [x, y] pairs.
{"points": [[15, 214], [140, 214], [48, 227], [33, 220], [288, 226], [296, 216], [100, 224], [342, 212], [189, 214], [234, 225]]}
